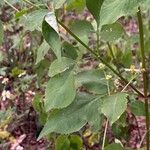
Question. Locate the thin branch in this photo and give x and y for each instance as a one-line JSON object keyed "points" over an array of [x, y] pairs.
{"points": [[104, 137], [111, 51], [145, 75], [99, 58], [98, 38], [11, 5]]}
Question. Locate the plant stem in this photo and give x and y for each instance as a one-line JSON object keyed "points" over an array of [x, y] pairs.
{"points": [[98, 39], [104, 137], [145, 75], [99, 58], [11, 5], [111, 51]]}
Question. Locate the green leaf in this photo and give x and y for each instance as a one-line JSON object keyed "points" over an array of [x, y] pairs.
{"points": [[41, 68], [114, 106], [78, 5], [59, 66], [60, 91], [50, 18], [42, 51], [16, 71], [38, 107], [114, 146], [6, 117], [62, 143], [33, 20], [1, 33], [112, 32], [137, 108], [85, 108], [127, 58], [58, 3], [82, 29], [70, 51], [112, 10], [93, 80], [51, 36], [36, 103], [95, 8], [145, 3], [75, 142], [21, 13]]}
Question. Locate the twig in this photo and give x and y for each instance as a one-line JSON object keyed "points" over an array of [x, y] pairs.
{"points": [[104, 137], [11, 5], [99, 58]]}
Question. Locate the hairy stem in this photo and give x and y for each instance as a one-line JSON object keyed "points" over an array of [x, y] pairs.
{"points": [[145, 75], [99, 58]]}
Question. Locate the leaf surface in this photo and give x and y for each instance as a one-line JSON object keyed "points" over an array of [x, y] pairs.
{"points": [[114, 106], [50, 33], [112, 32], [60, 91], [41, 51], [33, 20], [59, 66], [85, 108], [112, 10], [95, 8], [93, 80]]}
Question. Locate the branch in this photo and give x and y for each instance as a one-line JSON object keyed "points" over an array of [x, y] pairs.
{"points": [[99, 58]]}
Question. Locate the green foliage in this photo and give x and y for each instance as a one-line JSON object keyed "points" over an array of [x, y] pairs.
{"points": [[137, 108], [114, 106], [85, 108], [70, 51], [59, 66], [16, 71], [41, 51], [72, 142], [62, 143], [82, 29], [52, 38], [95, 8], [63, 67], [109, 15], [93, 80], [60, 91], [58, 3], [5, 117], [1, 33], [29, 20], [114, 147], [111, 32], [39, 108], [78, 5]]}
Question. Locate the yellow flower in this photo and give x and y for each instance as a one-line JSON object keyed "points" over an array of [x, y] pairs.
{"points": [[108, 77], [101, 66]]}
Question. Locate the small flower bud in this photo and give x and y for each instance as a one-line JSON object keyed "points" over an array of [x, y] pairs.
{"points": [[101, 66], [108, 77]]}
